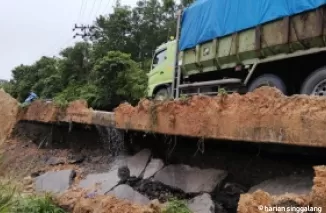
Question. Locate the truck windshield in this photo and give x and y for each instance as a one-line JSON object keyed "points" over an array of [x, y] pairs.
{"points": [[159, 57]]}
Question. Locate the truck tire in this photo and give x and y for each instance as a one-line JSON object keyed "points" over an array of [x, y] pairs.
{"points": [[268, 80], [162, 94], [315, 83]]}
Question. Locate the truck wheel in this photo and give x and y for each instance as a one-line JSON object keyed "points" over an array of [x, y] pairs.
{"points": [[268, 80], [315, 83], [162, 94]]}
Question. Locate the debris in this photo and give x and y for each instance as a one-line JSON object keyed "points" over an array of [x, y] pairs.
{"points": [[123, 173], [75, 159], [103, 181], [190, 179], [54, 182], [127, 193], [153, 167], [138, 162], [300, 185], [55, 161], [201, 204], [27, 180]]}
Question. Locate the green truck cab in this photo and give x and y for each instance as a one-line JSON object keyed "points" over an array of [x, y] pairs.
{"points": [[161, 73]]}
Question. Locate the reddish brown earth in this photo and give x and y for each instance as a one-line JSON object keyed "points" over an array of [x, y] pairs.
{"points": [[262, 116], [318, 194], [76, 202], [76, 111], [251, 203], [8, 114]]}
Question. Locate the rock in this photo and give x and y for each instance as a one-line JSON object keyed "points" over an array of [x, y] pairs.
{"points": [[123, 173], [153, 167], [190, 179], [105, 181], [55, 161], [96, 159], [54, 182], [201, 204], [138, 162], [27, 180], [127, 193], [234, 189], [36, 174], [76, 159], [300, 185]]}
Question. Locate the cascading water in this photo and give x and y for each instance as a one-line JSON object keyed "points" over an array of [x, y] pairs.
{"points": [[112, 139]]}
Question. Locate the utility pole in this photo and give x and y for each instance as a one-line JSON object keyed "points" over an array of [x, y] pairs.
{"points": [[87, 32]]}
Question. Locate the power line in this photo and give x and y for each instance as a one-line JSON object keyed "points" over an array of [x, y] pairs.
{"points": [[107, 6], [83, 11], [92, 10], [62, 45], [80, 11], [99, 8]]}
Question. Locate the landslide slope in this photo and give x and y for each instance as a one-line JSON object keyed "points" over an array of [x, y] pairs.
{"points": [[9, 109]]}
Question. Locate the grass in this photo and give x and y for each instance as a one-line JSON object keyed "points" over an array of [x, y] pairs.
{"points": [[11, 201], [34, 204], [176, 206]]}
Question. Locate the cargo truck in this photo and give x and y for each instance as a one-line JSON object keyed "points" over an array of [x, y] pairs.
{"points": [[238, 46]]}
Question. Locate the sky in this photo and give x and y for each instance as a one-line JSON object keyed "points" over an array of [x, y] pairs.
{"points": [[33, 28]]}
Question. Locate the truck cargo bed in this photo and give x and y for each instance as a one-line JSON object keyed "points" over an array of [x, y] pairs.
{"points": [[298, 32]]}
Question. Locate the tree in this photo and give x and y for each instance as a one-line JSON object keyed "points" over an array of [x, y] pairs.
{"points": [[112, 68], [118, 78]]}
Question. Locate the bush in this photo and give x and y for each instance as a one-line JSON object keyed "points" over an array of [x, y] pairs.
{"points": [[176, 206]]}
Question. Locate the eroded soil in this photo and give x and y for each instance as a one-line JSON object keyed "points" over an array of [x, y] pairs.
{"points": [[261, 116]]}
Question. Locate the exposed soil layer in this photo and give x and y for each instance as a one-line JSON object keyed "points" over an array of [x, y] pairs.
{"points": [[33, 144], [48, 112], [260, 201], [318, 194], [262, 116], [8, 114]]}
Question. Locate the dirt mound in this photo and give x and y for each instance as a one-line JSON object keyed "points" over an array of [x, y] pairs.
{"points": [[78, 201], [260, 201], [262, 116], [318, 195], [8, 114]]}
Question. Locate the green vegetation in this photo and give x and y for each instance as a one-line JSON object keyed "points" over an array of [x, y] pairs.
{"points": [[12, 202], [43, 204], [108, 70], [176, 206]]}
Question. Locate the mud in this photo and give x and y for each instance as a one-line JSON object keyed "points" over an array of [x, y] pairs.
{"points": [[8, 114], [262, 116]]}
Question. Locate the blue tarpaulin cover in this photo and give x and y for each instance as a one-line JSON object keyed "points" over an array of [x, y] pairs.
{"points": [[205, 20]]}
